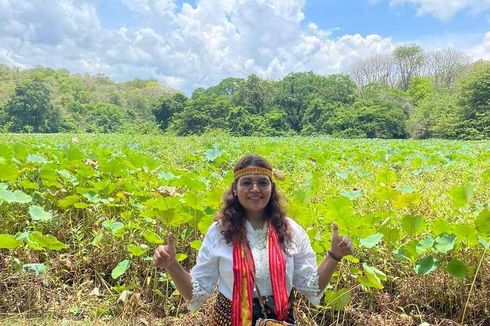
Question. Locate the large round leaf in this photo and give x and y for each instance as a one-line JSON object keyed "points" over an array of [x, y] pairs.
{"points": [[457, 268], [39, 214], [444, 242], [482, 222], [426, 265], [371, 240], [413, 225], [338, 300]]}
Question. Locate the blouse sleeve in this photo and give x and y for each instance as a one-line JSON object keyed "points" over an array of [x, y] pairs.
{"points": [[305, 277], [204, 275]]}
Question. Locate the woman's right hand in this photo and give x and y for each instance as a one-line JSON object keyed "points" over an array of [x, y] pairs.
{"points": [[164, 255]]}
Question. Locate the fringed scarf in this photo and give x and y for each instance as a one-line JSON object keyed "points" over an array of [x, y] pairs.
{"points": [[244, 274]]}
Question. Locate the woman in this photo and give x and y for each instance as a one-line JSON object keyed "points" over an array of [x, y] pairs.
{"points": [[253, 241]]}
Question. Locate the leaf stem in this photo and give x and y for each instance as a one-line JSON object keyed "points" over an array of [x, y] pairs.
{"points": [[472, 286]]}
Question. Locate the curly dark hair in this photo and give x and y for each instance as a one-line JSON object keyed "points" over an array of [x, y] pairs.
{"points": [[231, 218]]}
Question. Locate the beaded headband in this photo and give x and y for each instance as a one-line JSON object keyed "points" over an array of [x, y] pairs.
{"points": [[252, 170], [257, 170]]}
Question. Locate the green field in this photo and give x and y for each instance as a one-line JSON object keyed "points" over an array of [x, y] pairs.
{"points": [[80, 215]]}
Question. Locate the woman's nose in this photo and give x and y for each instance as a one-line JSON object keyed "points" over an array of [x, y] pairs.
{"points": [[255, 186]]}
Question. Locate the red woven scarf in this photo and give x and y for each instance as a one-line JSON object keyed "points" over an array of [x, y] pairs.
{"points": [[243, 283]]}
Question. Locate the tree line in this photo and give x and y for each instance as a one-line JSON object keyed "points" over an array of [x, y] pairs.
{"points": [[408, 93]]}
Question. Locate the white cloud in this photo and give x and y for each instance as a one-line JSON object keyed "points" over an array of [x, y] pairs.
{"points": [[482, 50], [444, 9], [184, 47]]}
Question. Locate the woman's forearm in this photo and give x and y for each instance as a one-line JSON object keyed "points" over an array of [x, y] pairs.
{"points": [[325, 271], [181, 278]]}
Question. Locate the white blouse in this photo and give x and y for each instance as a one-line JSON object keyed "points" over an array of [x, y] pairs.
{"points": [[215, 265]]}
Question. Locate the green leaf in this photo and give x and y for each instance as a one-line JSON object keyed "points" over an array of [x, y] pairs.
{"points": [[212, 154], [402, 201], [68, 201], [413, 225], [120, 269], [457, 268], [68, 176], [16, 196], [80, 205], [338, 300], [386, 177], [152, 237], [39, 214], [205, 223], [466, 232], [371, 240], [137, 250], [35, 158], [46, 241], [425, 245], [338, 209], [482, 222], [97, 239], [426, 265], [26, 184], [196, 244], [180, 257], [166, 176], [439, 226], [374, 276], [384, 193], [444, 242], [461, 195], [8, 241], [390, 235], [8, 172], [116, 228], [352, 195], [484, 243], [407, 251], [36, 268]]}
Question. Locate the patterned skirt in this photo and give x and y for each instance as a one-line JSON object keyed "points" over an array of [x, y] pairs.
{"points": [[221, 314]]}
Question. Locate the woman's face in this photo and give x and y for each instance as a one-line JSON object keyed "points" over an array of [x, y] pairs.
{"points": [[254, 192]]}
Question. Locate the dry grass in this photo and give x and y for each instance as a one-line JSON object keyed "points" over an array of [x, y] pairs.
{"points": [[65, 296]]}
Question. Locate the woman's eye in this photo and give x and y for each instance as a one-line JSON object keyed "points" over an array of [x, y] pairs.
{"points": [[263, 184], [246, 184]]}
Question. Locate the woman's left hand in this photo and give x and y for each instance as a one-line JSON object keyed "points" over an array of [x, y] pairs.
{"points": [[341, 245]]}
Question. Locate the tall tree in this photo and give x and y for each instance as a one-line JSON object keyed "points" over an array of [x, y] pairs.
{"points": [[379, 68], [167, 107], [30, 109], [201, 113], [255, 94], [445, 66], [474, 99], [409, 60], [226, 87]]}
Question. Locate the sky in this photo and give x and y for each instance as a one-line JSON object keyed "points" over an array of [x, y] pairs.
{"points": [[197, 43]]}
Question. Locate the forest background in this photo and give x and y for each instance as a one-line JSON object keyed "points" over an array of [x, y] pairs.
{"points": [[408, 93]]}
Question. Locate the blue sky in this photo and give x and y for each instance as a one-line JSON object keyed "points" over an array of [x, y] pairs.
{"points": [[400, 22], [189, 44]]}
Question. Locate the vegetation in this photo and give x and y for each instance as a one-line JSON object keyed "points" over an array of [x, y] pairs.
{"points": [[48, 100], [405, 94], [79, 216]]}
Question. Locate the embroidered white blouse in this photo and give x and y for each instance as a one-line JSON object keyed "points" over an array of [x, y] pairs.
{"points": [[215, 265]]}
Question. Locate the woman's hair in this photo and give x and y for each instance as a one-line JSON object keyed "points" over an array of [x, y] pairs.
{"points": [[232, 215]]}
